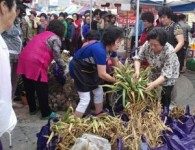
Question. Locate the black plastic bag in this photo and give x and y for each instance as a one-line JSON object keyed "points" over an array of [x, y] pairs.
{"points": [[59, 74], [42, 140]]}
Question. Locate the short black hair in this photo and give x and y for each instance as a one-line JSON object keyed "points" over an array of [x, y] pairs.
{"points": [[22, 9], [44, 15], [165, 11], [62, 15], [102, 13], [54, 15], [77, 15], [92, 35], [111, 34], [87, 11], [159, 34], [57, 27], [34, 13], [148, 16], [10, 3], [175, 18], [65, 14], [96, 12], [182, 17]]}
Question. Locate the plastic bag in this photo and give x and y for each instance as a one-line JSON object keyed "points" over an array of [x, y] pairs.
{"points": [[83, 144], [175, 126], [88, 141], [183, 127], [59, 74], [187, 143], [188, 120], [163, 147], [42, 140], [144, 145]]}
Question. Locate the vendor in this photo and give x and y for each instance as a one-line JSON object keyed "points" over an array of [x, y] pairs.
{"points": [[163, 61], [96, 53]]}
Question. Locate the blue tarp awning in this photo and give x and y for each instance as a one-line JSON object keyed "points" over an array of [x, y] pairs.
{"points": [[186, 7]]}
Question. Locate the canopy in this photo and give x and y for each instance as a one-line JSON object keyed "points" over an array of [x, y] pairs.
{"points": [[178, 2], [149, 2], [100, 2], [184, 8], [76, 9]]}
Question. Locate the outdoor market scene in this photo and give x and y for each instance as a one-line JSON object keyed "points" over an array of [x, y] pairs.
{"points": [[97, 75]]}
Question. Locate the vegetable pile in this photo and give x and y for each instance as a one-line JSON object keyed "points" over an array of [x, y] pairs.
{"points": [[61, 96]]}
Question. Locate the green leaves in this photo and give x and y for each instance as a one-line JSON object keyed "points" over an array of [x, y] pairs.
{"points": [[132, 90]]}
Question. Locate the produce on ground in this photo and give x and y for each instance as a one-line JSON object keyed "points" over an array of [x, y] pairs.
{"points": [[132, 90], [142, 108], [60, 97]]}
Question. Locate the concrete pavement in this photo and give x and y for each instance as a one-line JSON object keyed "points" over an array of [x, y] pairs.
{"points": [[24, 135], [185, 90]]}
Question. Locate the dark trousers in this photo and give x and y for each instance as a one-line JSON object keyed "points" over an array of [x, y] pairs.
{"points": [[181, 57], [133, 41], [166, 96], [70, 47], [64, 46], [41, 89]]}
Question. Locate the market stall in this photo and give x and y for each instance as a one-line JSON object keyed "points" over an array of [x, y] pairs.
{"points": [[139, 124]]}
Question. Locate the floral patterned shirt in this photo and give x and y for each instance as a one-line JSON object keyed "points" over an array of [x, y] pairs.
{"points": [[54, 43], [163, 64]]}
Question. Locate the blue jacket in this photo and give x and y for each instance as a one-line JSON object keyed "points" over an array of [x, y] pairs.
{"points": [[85, 29], [70, 31]]}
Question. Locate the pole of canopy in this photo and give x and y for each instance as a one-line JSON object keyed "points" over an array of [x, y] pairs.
{"points": [[137, 25], [91, 12], [164, 2]]}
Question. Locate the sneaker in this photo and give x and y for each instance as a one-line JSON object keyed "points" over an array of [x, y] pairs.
{"points": [[52, 115]]}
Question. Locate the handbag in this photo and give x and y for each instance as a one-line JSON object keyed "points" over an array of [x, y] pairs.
{"points": [[86, 75]]}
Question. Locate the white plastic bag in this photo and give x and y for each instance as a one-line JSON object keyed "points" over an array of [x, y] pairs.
{"points": [[84, 144], [91, 142]]}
